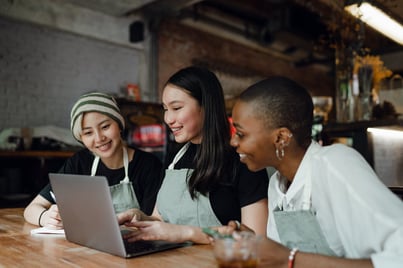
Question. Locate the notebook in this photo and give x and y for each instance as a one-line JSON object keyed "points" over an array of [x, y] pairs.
{"points": [[85, 206]]}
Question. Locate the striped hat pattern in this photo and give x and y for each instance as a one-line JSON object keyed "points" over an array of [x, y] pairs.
{"points": [[94, 102]]}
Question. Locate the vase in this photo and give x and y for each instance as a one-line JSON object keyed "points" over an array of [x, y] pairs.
{"points": [[344, 63], [365, 76]]}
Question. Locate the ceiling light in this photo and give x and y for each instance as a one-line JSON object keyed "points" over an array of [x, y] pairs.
{"points": [[378, 20]]}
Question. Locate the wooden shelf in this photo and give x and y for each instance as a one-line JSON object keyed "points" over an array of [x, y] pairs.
{"points": [[337, 127], [39, 154], [24, 173]]}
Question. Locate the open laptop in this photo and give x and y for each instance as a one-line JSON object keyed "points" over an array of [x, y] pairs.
{"points": [[86, 208]]}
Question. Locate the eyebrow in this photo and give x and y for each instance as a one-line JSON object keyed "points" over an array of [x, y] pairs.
{"points": [[237, 125], [174, 102], [102, 122]]}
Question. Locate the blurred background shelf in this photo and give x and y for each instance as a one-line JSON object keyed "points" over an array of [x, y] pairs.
{"points": [[24, 173], [380, 142]]}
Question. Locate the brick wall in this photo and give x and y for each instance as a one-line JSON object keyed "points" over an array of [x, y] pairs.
{"points": [[43, 71], [181, 45]]}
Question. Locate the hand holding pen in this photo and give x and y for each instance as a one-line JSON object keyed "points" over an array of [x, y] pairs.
{"points": [[51, 217]]}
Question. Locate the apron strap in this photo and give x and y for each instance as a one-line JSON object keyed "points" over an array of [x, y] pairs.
{"points": [[125, 165], [94, 165], [179, 155]]}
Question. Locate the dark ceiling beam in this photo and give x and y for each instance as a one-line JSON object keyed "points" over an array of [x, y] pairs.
{"points": [[160, 9]]}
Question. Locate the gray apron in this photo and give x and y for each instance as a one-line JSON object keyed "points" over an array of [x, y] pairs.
{"points": [[174, 202], [300, 229], [123, 195]]}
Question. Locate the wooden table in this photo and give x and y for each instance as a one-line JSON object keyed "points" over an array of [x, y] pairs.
{"points": [[18, 248]]}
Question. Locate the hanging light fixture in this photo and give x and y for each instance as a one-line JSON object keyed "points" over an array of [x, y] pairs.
{"points": [[377, 19]]}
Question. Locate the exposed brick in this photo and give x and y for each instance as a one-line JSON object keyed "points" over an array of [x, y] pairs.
{"points": [[179, 45]]}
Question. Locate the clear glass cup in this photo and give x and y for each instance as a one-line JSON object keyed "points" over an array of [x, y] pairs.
{"points": [[239, 251]]}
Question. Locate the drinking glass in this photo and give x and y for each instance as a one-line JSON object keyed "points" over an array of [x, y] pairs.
{"points": [[238, 251]]}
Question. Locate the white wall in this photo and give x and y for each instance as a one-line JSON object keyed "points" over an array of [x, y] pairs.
{"points": [[43, 71], [50, 53]]}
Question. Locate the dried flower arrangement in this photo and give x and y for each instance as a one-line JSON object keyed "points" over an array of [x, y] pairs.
{"points": [[347, 37], [373, 64]]}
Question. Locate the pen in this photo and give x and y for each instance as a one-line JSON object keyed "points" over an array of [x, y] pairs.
{"points": [[53, 196]]}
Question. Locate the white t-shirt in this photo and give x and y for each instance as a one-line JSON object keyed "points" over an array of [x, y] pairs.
{"points": [[359, 216]]}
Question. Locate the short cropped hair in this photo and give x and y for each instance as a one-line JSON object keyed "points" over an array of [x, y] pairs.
{"points": [[281, 102]]}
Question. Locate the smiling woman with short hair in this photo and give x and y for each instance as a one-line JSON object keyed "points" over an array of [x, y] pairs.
{"points": [[327, 207]]}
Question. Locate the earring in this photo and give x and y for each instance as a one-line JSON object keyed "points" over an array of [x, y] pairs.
{"points": [[280, 154]]}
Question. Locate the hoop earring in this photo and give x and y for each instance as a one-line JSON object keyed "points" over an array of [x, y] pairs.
{"points": [[280, 154]]}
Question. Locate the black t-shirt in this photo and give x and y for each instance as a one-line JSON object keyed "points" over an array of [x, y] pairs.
{"points": [[228, 199], [144, 173]]}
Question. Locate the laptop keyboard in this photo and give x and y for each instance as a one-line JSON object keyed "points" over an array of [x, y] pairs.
{"points": [[139, 246]]}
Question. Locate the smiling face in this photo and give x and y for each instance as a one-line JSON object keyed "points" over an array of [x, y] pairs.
{"points": [[183, 114], [101, 135], [253, 141]]}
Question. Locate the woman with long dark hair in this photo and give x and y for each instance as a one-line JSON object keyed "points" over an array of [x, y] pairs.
{"points": [[205, 184]]}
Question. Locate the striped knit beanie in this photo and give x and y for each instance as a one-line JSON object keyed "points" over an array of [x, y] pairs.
{"points": [[94, 102]]}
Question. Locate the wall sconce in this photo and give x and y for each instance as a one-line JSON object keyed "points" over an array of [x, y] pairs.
{"points": [[377, 19]]}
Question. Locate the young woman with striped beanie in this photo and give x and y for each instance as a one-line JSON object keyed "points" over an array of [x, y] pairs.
{"points": [[134, 176]]}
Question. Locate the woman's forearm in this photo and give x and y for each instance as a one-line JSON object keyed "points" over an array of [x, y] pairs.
{"points": [[273, 254], [35, 208], [321, 261]]}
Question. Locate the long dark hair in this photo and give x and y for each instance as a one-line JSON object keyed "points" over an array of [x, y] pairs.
{"points": [[214, 159]]}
